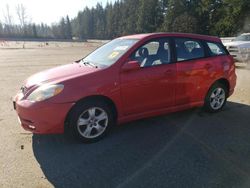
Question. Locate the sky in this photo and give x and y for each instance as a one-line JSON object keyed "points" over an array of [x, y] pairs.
{"points": [[47, 11]]}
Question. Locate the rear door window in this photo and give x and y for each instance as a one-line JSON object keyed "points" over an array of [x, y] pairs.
{"points": [[187, 49]]}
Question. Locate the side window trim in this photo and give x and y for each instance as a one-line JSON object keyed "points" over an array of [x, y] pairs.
{"points": [[172, 50], [206, 48]]}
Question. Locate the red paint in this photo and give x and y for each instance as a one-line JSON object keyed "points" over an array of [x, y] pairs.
{"points": [[136, 92]]}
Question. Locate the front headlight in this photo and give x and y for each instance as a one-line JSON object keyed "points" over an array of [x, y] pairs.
{"points": [[45, 92]]}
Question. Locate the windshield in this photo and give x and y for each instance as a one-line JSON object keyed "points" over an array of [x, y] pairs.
{"points": [[243, 38], [109, 53]]}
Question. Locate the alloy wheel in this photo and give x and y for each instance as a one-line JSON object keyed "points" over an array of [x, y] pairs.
{"points": [[92, 122], [217, 98]]}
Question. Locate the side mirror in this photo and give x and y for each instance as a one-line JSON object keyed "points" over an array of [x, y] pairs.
{"points": [[131, 65]]}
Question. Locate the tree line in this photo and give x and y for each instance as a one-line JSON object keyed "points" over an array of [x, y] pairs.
{"points": [[123, 17]]}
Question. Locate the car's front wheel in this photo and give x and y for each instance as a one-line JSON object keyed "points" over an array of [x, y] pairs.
{"points": [[216, 97], [91, 120]]}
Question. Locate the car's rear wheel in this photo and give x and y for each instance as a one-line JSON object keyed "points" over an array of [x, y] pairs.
{"points": [[91, 120], [216, 97]]}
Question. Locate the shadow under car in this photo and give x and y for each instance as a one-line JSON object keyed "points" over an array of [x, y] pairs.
{"points": [[184, 149]]}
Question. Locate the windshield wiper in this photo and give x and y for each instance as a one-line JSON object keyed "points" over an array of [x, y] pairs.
{"points": [[89, 63]]}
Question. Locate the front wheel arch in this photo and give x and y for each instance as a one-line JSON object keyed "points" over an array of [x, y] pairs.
{"points": [[105, 99]]}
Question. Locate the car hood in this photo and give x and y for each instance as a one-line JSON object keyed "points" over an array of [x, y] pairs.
{"points": [[238, 43], [59, 73]]}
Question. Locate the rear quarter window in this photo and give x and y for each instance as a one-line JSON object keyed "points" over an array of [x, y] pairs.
{"points": [[216, 49]]}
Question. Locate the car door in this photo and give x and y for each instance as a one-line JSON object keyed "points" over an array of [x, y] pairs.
{"points": [[152, 86], [193, 70]]}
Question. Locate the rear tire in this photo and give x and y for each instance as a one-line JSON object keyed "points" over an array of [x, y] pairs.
{"points": [[91, 120], [216, 97]]}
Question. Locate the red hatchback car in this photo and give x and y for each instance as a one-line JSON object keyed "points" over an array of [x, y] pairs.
{"points": [[129, 78]]}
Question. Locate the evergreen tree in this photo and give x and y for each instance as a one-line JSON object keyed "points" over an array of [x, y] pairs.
{"points": [[62, 29], [80, 26], [100, 21], [1, 30], [123, 17], [34, 31], [109, 20], [68, 29], [131, 16], [148, 18], [116, 19], [185, 23]]}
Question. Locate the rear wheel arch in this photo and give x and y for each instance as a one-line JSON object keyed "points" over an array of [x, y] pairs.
{"points": [[225, 82]]}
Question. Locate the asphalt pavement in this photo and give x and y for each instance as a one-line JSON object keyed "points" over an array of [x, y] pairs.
{"points": [[185, 149]]}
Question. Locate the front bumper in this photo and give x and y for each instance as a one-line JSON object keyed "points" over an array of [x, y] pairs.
{"points": [[41, 117], [241, 57], [232, 78]]}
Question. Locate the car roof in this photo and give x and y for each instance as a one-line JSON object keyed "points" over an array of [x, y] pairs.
{"points": [[186, 35]]}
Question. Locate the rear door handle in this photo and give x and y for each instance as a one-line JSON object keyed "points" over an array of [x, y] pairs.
{"points": [[208, 66], [169, 71]]}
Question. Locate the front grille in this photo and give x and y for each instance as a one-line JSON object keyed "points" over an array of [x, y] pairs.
{"points": [[233, 49]]}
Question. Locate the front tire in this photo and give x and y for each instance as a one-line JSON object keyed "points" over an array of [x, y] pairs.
{"points": [[91, 120], [216, 98]]}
